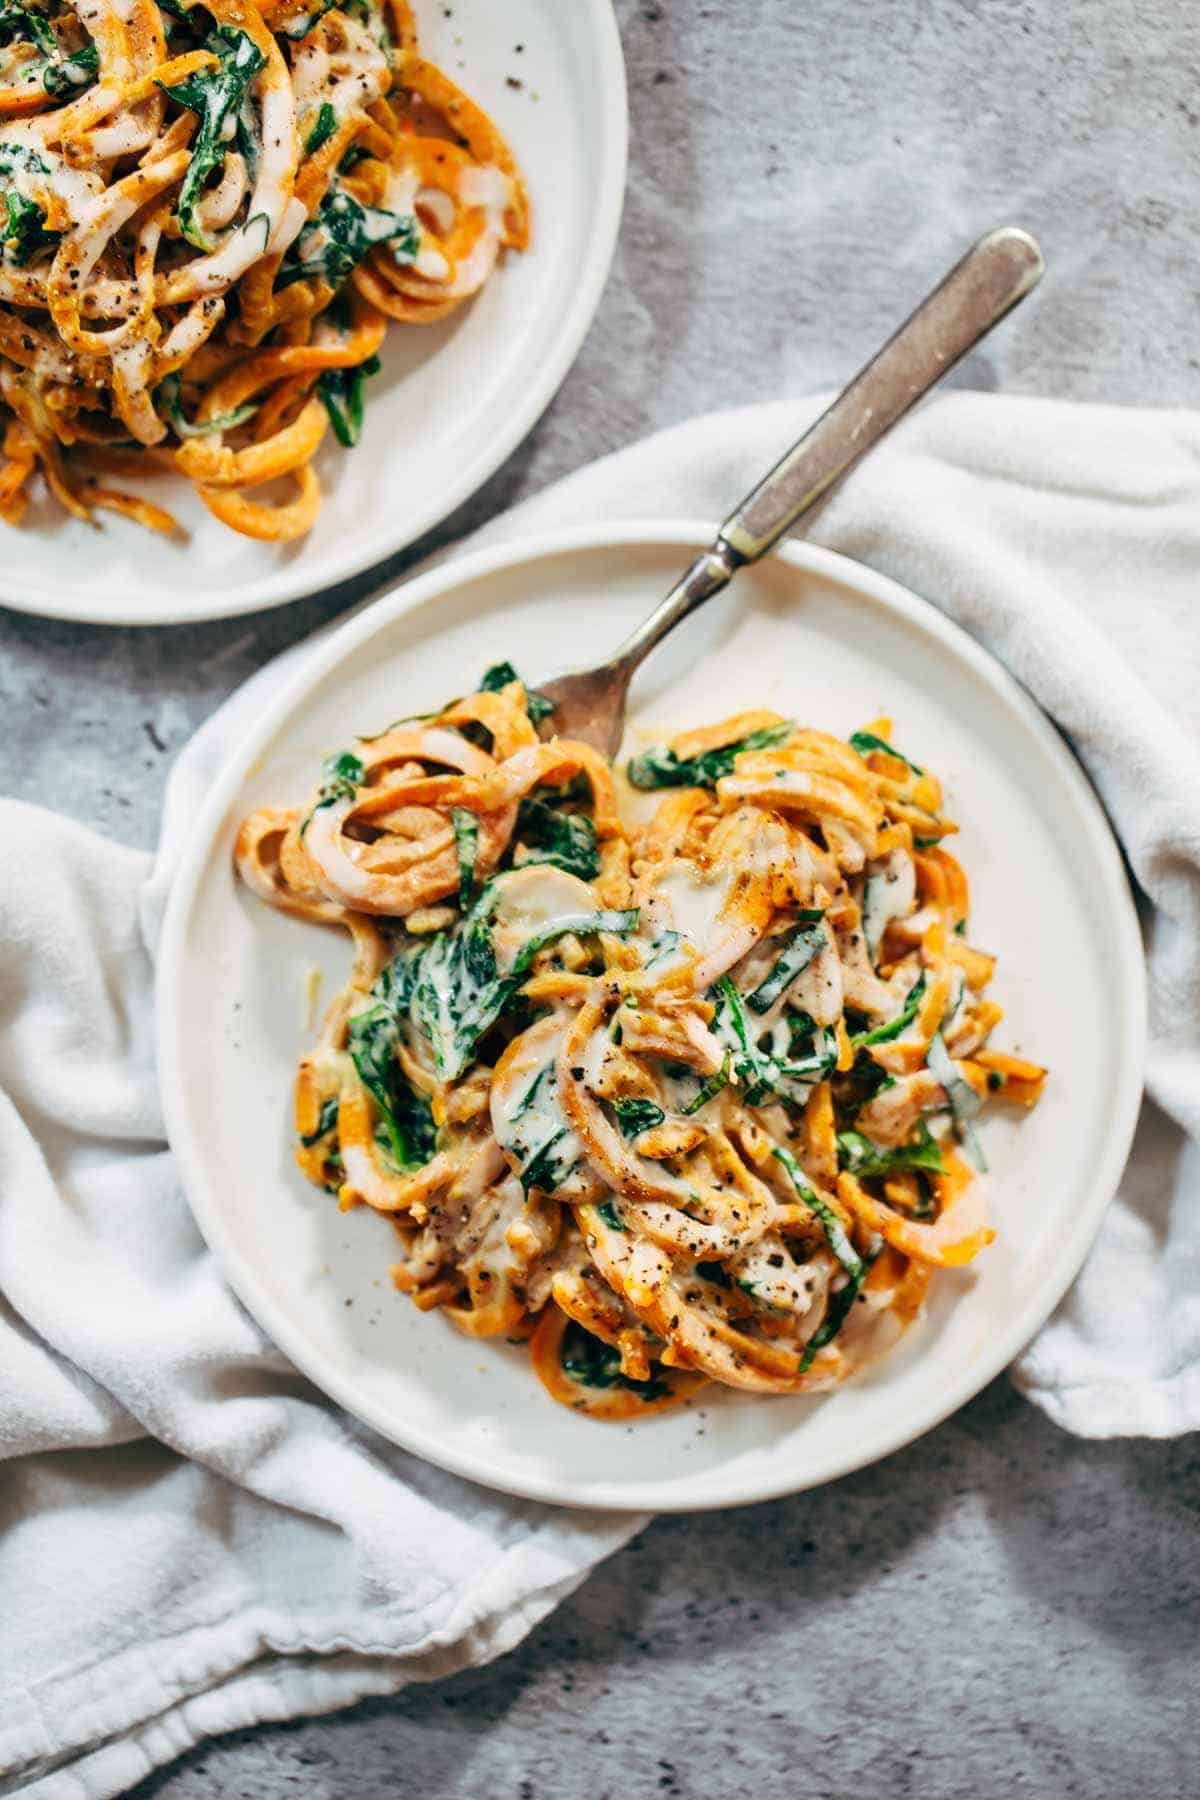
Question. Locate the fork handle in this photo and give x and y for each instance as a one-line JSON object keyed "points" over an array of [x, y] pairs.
{"points": [[992, 277], [996, 272]]}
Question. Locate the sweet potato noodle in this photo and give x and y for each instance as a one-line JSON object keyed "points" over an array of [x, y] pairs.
{"points": [[210, 212], [680, 1101]]}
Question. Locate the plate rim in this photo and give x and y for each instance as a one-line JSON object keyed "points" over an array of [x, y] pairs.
{"points": [[547, 375], [722, 1490]]}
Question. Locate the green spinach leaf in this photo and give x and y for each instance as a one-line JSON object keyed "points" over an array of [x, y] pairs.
{"points": [[168, 397], [795, 957], [459, 994], [326, 1120], [860, 1084], [759, 1073], [373, 1039], [965, 1103], [635, 1116], [500, 674], [546, 1149], [321, 129], [18, 21], [711, 1088], [861, 1157], [855, 1266], [217, 96], [866, 741], [23, 229], [592, 1363], [756, 1072], [343, 232], [568, 840], [343, 773], [551, 1163], [71, 74], [621, 923], [14, 157], [660, 767], [831, 1225], [466, 843], [883, 1034], [837, 1310], [341, 393]]}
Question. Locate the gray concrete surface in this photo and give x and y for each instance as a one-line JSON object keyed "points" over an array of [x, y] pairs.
{"points": [[999, 1608]]}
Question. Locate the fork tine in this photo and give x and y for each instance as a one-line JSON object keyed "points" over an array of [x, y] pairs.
{"points": [[588, 705]]}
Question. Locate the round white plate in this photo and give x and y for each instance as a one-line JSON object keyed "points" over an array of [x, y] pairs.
{"points": [[811, 635], [453, 399]]}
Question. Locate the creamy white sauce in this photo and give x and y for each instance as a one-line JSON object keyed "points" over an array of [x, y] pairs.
{"points": [[912, 1033], [347, 75], [528, 1121], [377, 227], [491, 1249], [525, 1111], [217, 207], [779, 781], [678, 1091], [768, 1270], [683, 900], [487, 187], [20, 64], [431, 263], [78, 189], [956, 1005], [271, 208], [531, 901], [92, 13], [400, 194], [329, 1065], [400, 197], [131, 362], [290, 226], [817, 990], [128, 135], [888, 893], [599, 1048], [891, 1117], [823, 987], [197, 324]]}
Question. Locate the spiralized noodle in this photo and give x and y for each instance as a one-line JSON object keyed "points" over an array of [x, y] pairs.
{"points": [[678, 1101], [209, 212]]}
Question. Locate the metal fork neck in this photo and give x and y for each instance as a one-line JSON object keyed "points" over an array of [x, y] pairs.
{"points": [[712, 570]]}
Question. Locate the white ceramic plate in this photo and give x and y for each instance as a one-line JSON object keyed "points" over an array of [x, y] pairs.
{"points": [[814, 636], [453, 400]]}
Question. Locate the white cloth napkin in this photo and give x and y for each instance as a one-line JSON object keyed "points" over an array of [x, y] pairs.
{"points": [[194, 1539]]}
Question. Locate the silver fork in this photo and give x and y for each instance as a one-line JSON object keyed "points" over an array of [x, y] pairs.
{"points": [[992, 277]]}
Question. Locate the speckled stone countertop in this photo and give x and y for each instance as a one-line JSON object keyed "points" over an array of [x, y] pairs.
{"points": [[1000, 1607]]}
